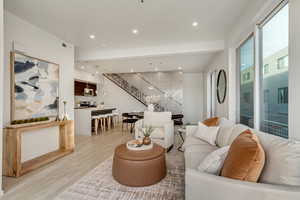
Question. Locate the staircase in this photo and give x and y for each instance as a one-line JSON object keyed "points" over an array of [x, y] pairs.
{"points": [[131, 90], [163, 93], [165, 104]]}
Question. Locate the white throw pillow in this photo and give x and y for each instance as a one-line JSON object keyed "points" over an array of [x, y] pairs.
{"points": [[206, 133], [223, 122], [213, 162], [224, 133]]}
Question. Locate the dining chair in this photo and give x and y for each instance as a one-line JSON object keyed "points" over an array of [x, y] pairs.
{"points": [[128, 120]]}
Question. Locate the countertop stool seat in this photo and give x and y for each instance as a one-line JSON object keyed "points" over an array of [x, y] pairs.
{"points": [[104, 121], [139, 168], [116, 117], [110, 120], [95, 120]]}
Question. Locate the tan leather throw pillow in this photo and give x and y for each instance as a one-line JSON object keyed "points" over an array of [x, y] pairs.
{"points": [[211, 121], [245, 159]]}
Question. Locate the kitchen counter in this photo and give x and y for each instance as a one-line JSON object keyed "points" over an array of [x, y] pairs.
{"points": [[85, 107], [83, 118]]}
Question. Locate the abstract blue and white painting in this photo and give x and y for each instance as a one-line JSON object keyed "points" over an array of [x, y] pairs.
{"points": [[36, 88]]}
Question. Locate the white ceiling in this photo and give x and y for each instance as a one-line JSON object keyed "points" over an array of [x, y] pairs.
{"points": [[190, 62], [165, 27]]}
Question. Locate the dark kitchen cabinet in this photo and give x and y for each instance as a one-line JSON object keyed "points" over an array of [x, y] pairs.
{"points": [[80, 85]]}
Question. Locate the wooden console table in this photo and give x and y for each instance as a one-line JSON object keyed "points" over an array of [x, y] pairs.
{"points": [[12, 165]]}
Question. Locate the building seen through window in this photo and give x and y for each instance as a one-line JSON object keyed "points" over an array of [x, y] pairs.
{"points": [[283, 62], [274, 77]]}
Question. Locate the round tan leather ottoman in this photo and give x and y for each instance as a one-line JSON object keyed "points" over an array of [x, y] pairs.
{"points": [[139, 168]]}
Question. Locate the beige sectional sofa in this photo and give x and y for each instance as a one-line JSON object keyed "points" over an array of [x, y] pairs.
{"points": [[280, 179]]}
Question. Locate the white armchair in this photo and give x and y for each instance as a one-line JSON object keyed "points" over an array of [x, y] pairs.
{"points": [[164, 128]]}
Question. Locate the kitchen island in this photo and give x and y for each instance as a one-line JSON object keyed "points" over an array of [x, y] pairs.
{"points": [[83, 118]]}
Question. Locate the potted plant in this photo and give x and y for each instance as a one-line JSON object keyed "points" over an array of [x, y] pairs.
{"points": [[147, 133]]}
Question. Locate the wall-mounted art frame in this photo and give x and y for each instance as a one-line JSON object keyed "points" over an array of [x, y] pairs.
{"points": [[221, 86], [34, 87]]}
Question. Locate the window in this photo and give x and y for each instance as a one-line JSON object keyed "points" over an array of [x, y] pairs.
{"points": [[283, 95], [274, 49], [283, 62], [266, 68], [266, 96], [247, 97], [246, 76], [246, 68]]}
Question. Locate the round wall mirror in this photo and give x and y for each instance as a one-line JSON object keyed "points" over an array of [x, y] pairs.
{"points": [[221, 86]]}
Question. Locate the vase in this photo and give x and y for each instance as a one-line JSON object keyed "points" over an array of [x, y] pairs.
{"points": [[147, 141], [65, 115]]}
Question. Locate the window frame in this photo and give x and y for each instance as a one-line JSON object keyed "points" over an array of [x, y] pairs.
{"points": [[259, 92], [238, 75], [258, 67]]}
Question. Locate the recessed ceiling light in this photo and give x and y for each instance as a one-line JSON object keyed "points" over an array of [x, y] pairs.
{"points": [[97, 72], [92, 36], [179, 68], [195, 24], [82, 67], [135, 31]]}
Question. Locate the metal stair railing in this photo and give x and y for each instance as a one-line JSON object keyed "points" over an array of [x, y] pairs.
{"points": [[130, 89], [158, 89]]}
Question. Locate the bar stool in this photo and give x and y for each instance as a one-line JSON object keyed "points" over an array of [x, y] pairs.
{"points": [[109, 118], [103, 121], [116, 117], [95, 119]]}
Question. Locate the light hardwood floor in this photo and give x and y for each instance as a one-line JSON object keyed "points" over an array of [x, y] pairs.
{"points": [[50, 180]]}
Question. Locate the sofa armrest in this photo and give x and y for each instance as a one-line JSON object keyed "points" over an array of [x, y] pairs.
{"points": [[213, 187], [169, 134], [190, 130]]}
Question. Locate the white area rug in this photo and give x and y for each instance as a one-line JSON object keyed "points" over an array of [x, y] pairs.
{"points": [[100, 185]]}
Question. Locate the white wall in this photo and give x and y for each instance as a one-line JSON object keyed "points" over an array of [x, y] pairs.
{"points": [[219, 62], [242, 29], [38, 43], [109, 93], [193, 97], [112, 95], [86, 76], [1, 83], [244, 26], [117, 97], [294, 70], [90, 78]]}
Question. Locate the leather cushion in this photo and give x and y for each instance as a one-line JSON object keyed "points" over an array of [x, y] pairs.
{"points": [[211, 121], [245, 159], [139, 168]]}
